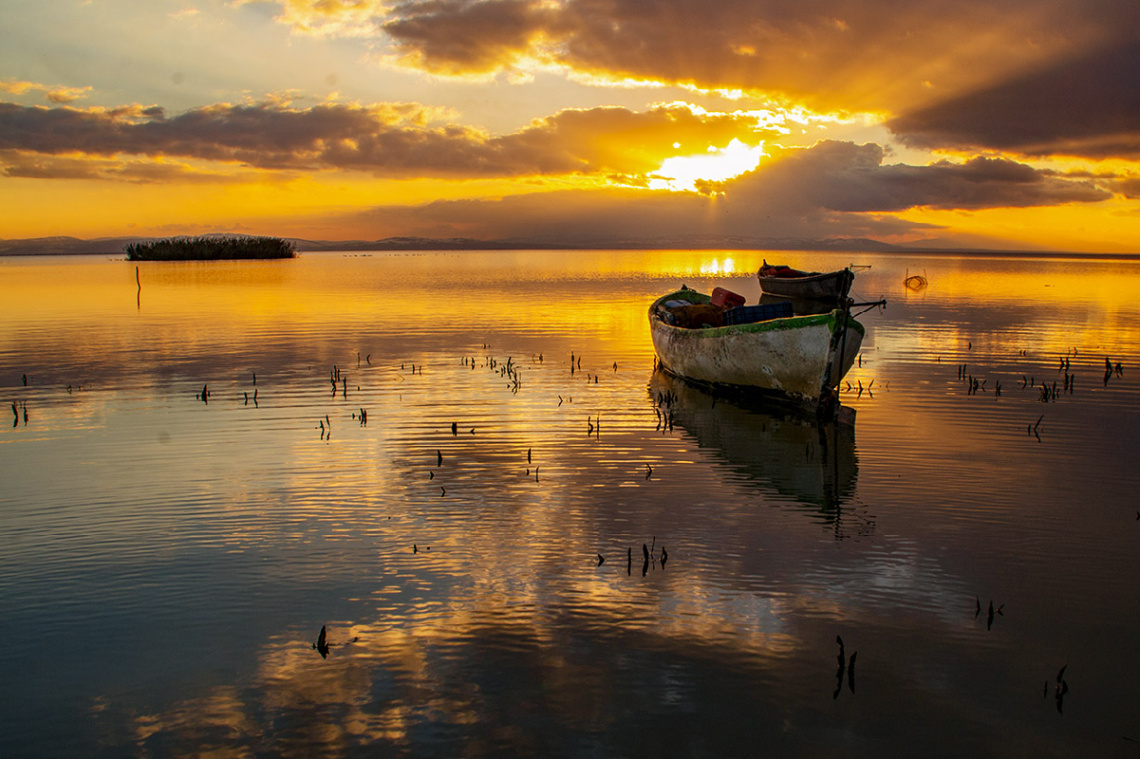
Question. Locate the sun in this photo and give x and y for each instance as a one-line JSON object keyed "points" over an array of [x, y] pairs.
{"points": [[681, 173]]}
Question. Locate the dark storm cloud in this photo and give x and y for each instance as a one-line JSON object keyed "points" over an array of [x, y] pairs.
{"points": [[1088, 107], [393, 140]]}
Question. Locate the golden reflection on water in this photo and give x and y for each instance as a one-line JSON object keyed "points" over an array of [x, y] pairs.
{"points": [[419, 668], [293, 508]]}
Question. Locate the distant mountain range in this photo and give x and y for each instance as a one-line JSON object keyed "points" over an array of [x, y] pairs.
{"points": [[114, 246]]}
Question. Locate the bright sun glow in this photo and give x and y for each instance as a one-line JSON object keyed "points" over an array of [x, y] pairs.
{"points": [[681, 173]]}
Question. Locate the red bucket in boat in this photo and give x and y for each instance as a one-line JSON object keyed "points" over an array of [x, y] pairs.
{"points": [[726, 298]]}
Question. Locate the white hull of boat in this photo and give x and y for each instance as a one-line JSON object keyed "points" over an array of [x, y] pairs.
{"points": [[792, 357]]}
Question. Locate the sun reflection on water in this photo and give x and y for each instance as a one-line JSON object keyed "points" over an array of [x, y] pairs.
{"points": [[718, 267]]}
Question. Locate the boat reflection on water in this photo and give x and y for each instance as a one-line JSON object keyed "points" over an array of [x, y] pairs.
{"points": [[795, 455]]}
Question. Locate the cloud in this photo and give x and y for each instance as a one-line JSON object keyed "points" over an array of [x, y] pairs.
{"points": [[617, 140], [1086, 106], [830, 54], [616, 216], [455, 37], [330, 18], [262, 135], [834, 189], [185, 14], [54, 93], [30, 166], [1130, 188], [20, 165], [843, 176], [388, 139], [935, 63]]}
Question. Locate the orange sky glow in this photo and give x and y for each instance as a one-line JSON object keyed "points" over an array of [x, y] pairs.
{"points": [[992, 125]]}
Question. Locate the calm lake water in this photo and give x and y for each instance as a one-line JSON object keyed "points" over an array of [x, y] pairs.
{"points": [[169, 562]]}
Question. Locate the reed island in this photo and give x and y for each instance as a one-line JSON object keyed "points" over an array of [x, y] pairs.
{"points": [[210, 248]]}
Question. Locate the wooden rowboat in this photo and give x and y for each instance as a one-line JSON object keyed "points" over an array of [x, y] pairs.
{"points": [[797, 358], [793, 283]]}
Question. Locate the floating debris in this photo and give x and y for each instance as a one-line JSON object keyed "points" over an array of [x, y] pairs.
{"points": [[322, 645], [841, 670]]}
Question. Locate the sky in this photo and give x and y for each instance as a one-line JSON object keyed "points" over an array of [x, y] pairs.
{"points": [[1011, 124]]}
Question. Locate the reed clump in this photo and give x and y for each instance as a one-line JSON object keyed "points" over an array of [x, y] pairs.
{"points": [[210, 249]]}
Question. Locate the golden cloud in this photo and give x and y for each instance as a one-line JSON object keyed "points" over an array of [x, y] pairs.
{"points": [[931, 61], [391, 139], [54, 93], [330, 18], [870, 56]]}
